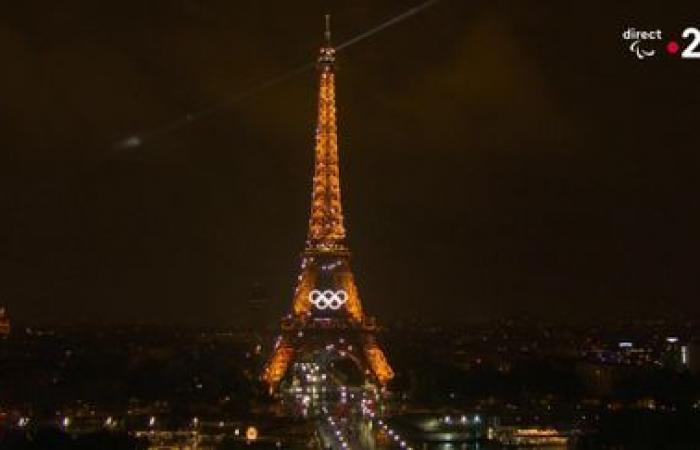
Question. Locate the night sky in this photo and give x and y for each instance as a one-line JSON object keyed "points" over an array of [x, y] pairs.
{"points": [[497, 158]]}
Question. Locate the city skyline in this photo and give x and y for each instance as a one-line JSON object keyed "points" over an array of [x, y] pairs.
{"points": [[433, 225]]}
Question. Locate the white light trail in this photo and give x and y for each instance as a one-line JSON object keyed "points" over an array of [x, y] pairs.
{"points": [[139, 139]]}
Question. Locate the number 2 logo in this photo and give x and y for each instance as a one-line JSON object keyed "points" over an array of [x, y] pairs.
{"points": [[691, 51]]}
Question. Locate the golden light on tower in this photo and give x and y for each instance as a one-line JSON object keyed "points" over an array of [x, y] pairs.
{"points": [[326, 296], [326, 224], [277, 365], [379, 364]]}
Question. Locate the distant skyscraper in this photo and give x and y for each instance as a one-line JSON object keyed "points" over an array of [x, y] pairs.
{"points": [[4, 323], [258, 307], [327, 315]]}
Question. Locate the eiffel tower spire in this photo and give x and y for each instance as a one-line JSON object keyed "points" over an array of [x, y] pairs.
{"points": [[326, 223], [327, 33]]}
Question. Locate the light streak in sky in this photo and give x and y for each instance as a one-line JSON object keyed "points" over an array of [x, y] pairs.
{"points": [[387, 24], [139, 139]]}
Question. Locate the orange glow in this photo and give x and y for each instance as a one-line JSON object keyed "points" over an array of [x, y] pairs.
{"points": [[326, 229], [536, 432], [251, 433], [4, 323], [305, 286], [378, 363], [353, 305], [326, 261], [277, 365]]}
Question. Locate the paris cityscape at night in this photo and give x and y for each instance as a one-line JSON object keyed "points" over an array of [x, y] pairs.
{"points": [[387, 225]]}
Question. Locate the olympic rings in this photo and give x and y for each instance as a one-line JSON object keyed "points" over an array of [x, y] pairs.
{"points": [[328, 299]]}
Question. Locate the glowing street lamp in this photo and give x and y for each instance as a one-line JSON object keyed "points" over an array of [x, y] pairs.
{"points": [[251, 433]]}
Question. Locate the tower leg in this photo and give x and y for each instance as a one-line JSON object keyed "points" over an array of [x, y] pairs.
{"points": [[378, 363], [277, 365]]}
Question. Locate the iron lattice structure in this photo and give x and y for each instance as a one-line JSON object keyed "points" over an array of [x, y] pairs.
{"points": [[327, 314]]}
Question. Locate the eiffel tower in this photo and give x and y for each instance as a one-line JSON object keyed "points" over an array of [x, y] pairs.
{"points": [[327, 319]]}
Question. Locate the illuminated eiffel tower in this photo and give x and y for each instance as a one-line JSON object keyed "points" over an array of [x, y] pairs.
{"points": [[327, 319]]}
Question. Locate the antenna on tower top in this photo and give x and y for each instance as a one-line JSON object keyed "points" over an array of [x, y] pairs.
{"points": [[327, 34], [327, 56]]}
